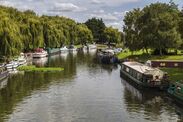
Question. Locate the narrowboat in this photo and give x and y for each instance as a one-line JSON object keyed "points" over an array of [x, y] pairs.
{"points": [[12, 65], [175, 90], [72, 48], [165, 63], [107, 56], [144, 76], [64, 49], [92, 47], [39, 53], [21, 59], [3, 72], [52, 51]]}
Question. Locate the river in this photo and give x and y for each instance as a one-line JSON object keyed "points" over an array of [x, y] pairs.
{"points": [[85, 91]]}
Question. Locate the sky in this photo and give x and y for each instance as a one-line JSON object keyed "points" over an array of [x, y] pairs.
{"points": [[111, 11]]}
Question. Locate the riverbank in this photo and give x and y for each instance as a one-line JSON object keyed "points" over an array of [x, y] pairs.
{"points": [[142, 57], [175, 74], [33, 68]]}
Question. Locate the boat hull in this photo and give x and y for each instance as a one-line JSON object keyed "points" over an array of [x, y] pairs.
{"points": [[53, 51], [4, 75], [176, 98], [140, 84], [39, 55]]}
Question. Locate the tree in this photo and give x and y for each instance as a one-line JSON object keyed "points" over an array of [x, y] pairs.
{"points": [[160, 25], [97, 27], [112, 35], [132, 30]]}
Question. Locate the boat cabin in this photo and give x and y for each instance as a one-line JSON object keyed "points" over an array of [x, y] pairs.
{"points": [[144, 74]]}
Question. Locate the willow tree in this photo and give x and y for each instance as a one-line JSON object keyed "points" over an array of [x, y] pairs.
{"points": [[10, 39]]}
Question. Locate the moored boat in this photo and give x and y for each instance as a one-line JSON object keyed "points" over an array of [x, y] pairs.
{"points": [[92, 47], [72, 49], [21, 59], [175, 90], [12, 65], [64, 49], [144, 76], [107, 56], [39, 53], [52, 51], [3, 72]]}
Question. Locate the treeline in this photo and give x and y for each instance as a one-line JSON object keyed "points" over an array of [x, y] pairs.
{"points": [[158, 26], [25, 31], [103, 34]]}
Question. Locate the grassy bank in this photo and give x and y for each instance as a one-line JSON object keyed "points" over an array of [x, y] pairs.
{"points": [[39, 69], [142, 57], [101, 46], [175, 74]]}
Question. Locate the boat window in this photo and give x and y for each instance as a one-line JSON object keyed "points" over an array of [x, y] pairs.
{"points": [[176, 64], [122, 66], [127, 69], [147, 78], [162, 64]]}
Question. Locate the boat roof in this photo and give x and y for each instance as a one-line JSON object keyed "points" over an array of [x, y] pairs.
{"points": [[167, 61], [142, 68]]}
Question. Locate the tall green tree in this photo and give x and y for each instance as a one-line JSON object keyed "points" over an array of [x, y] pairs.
{"points": [[97, 27], [112, 35], [132, 30]]}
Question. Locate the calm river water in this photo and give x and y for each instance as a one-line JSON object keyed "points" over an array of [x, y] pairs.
{"points": [[85, 91]]}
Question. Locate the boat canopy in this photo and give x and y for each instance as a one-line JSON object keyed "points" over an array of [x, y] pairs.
{"points": [[144, 69]]}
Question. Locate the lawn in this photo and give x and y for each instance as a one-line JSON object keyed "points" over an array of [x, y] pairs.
{"points": [[142, 57], [175, 74], [33, 68]]}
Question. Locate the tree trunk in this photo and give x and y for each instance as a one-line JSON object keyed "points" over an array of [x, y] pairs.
{"points": [[160, 52]]}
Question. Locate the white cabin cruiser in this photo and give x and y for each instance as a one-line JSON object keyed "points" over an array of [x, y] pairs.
{"points": [[39, 53]]}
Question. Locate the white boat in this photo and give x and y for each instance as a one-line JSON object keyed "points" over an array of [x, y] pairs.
{"points": [[40, 53], [12, 65], [118, 50], [72, 48], [64, 49], [3, 72], [92, 47], [21, 60]]}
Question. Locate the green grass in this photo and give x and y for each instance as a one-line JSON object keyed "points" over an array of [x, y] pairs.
{"points": [[33, 68], [101, 46], [140, 56], [78, 46], [175, 74]]}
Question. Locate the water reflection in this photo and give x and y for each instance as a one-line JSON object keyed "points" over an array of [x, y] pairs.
{"points": [[85, 91], [40, 61], [149, 103]]}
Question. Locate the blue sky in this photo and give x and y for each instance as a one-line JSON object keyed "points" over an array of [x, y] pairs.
{"points": [[111, 11]]}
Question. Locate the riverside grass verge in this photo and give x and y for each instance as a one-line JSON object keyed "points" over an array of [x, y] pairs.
{"points": [[175, 74], [33, 68], [142, 57]]}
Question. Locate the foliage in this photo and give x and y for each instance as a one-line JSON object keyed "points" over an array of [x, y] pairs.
{"points": [[25, 31], [112, 35], [97, 27], [33, 68], [156, 27]]}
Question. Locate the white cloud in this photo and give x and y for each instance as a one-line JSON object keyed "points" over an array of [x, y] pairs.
{"points": [[105, 17], [66, 7], [117, 25], [7, 3], [96, 2]]}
